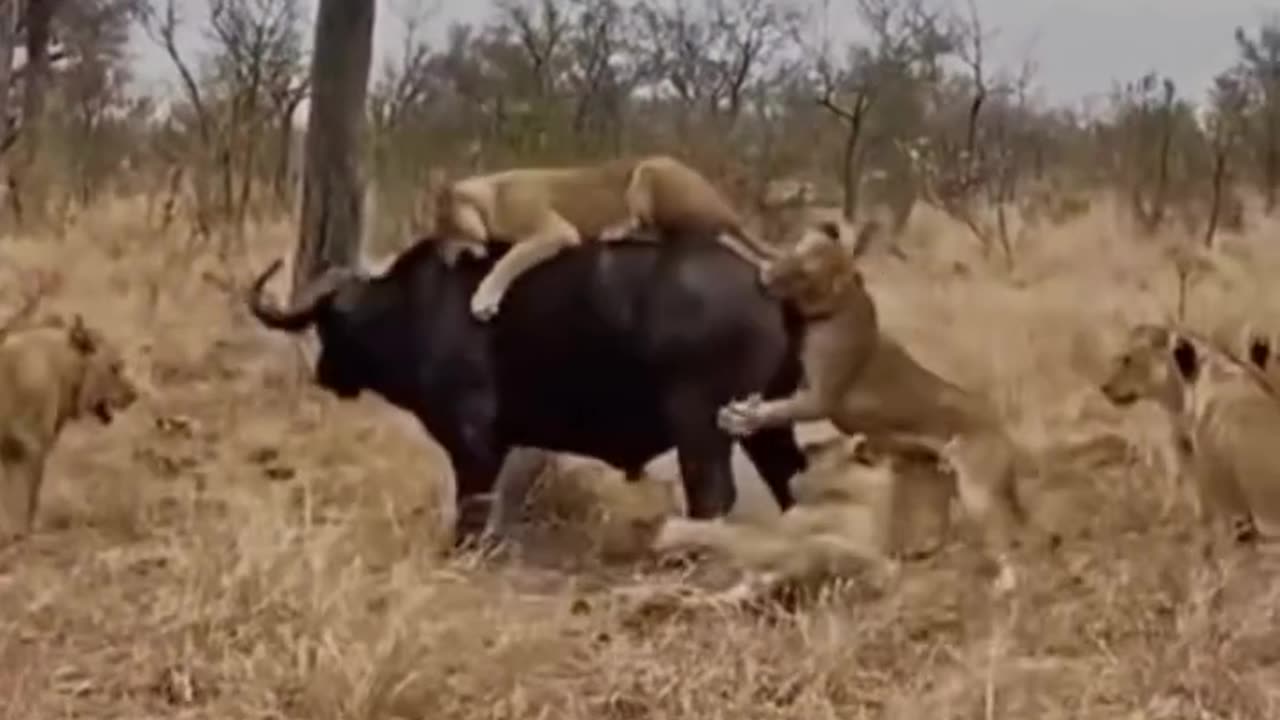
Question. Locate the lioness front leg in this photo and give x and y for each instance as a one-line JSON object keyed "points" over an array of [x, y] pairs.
{"points": [[20, 482], [752, 414], [556, 235]]}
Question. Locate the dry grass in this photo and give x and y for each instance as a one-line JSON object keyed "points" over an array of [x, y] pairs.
{"points": [[240, 545]]}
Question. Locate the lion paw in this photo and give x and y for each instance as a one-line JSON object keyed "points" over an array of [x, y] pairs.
{"points": [[741, 417], [484, 304], [764, 273]]}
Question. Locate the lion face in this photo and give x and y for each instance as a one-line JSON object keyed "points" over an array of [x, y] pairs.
{"points": [[105, 389], [815, 271], [838, 469], [1144, 369]]}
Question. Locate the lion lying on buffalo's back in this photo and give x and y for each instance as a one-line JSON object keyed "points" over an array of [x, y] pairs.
{"points": [[48, 376]]}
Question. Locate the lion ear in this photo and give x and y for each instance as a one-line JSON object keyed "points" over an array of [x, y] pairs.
{"points": [[79, 335], [1257, 346], [1187, 359]]}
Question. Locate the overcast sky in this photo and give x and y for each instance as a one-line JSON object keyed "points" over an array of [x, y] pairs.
{"points": [[1079, 46]]}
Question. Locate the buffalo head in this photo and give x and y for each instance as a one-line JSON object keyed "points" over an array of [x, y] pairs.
{"points": [[329, 301]]}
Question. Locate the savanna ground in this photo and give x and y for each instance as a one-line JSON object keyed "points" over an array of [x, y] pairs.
{"points": [[241, 545]]}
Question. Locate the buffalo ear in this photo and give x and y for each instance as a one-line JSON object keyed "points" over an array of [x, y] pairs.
{"points": [[79, 335], [1187, 359]]}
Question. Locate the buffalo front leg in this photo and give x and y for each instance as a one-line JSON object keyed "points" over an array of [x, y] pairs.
{"points": [[752, 414], [530, 252], [520, 471], [476, 456], [702, 452]]}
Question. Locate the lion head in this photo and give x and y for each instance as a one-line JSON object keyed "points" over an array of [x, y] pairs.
{"points": [[817, 270], [1153, 363], [844, 468], [105, 388]]}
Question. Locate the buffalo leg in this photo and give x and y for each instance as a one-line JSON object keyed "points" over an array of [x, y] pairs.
{"points": [[476, 457], [703, 453], [521, 469], [777, 458]]}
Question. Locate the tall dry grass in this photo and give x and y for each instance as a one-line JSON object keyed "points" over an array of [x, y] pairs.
{"points": [[240, 545]]}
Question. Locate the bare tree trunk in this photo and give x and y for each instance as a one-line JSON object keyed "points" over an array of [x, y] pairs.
{"points": [[850, 172], [1219, 179], [39, 22], [284, 130], [1271, 167], [8, 38], [331, 190]]}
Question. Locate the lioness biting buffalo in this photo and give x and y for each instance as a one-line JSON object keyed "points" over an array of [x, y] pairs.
{"points": [[49, 376], [865, 382]]}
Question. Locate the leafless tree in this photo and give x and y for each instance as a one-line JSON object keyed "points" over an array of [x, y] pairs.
{"points": [[163, 24], [26, 188], [257, 57], [1261, 58], [1230, 101], [601, 68], [9, 16], [711, 59], [852, 115], [541, 29]]}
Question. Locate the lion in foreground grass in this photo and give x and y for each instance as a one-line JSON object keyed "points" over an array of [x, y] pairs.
{"points": [[837, 529], [49, 375]]}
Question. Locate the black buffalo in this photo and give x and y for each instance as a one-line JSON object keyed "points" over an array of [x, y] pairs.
{"points": [[616, 351]]}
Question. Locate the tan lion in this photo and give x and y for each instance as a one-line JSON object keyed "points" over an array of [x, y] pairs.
{"points": [[865, 382], [1227, 417], [837, 528], [542, 211], [49, 376]]}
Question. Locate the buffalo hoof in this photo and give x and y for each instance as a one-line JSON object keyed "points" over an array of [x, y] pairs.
{"points": [[741, 417]]}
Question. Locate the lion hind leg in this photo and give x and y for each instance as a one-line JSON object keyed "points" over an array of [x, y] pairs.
{"points": [[472, 233], [555, 235], [637, 199]]}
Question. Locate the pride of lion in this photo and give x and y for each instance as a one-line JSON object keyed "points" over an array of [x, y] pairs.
{"points": [[886, 406]]}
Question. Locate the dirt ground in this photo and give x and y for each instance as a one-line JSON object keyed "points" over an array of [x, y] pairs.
{"points": [[241, 545]]}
